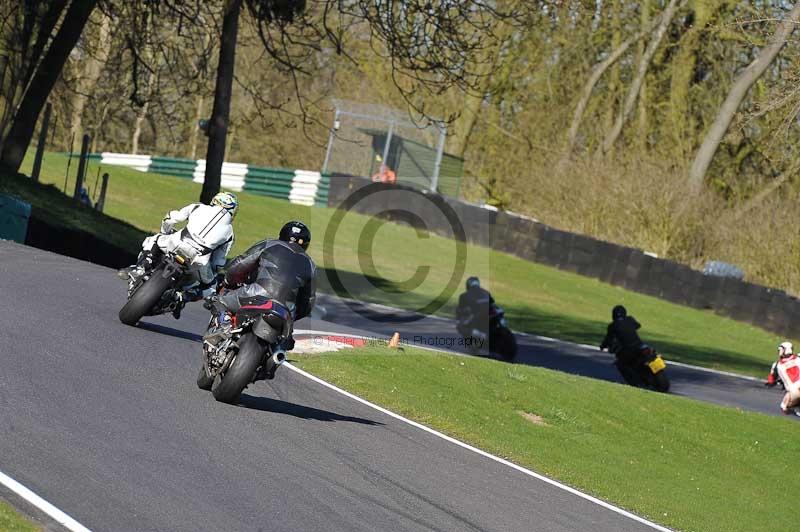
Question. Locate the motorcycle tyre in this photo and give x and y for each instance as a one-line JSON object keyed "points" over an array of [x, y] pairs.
{"points": [[661, 382], [204, 381], [145, 298], [228, 387], [506, 345]]}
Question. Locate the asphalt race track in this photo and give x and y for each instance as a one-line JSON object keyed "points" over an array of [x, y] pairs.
{"points": [[423, 331], [105, 422]]}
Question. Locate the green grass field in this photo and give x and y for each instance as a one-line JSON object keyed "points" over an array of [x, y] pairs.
{"points": [[11, 521], [681, 463], [538, 299]]}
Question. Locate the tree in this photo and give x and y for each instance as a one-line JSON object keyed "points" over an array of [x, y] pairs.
{"points": [[738, 91]]}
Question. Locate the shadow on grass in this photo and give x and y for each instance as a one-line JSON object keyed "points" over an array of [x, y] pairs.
{"points": [[63, 226], [276, 406]]}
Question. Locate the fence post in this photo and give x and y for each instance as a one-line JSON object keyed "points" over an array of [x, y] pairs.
{"points": [[101, 201], [386, 147], [37, 161], [437, 166], [331, 139], [82, 163]]}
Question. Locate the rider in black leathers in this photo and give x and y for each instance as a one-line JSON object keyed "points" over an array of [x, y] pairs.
{"points": [[473, 309], [621, 337], [276, 269]]}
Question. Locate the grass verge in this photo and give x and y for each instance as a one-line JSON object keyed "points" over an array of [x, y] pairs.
{"points": [[11, 521], [538, 299], [682, 463]]}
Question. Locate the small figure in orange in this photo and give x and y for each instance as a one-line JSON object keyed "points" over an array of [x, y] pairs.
{"points": [[385, 175]]}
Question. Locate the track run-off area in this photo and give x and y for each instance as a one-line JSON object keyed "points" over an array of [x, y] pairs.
{"points": [[105, 422]]}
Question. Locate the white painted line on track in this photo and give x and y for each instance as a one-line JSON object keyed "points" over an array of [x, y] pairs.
{"points": [[59, 516], [512, 465]]}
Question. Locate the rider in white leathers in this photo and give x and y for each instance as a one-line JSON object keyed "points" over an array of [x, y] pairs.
{"points": [[207, 236]]}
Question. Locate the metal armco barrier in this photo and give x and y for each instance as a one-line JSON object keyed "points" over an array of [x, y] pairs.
{"points": [[303, 187], [769, 308]]}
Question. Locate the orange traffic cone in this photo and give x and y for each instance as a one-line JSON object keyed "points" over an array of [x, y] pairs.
{"points": [[394, 343]]}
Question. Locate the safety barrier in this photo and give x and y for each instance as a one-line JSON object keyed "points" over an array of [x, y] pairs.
{"points": [[769, 308], [303, 187]]}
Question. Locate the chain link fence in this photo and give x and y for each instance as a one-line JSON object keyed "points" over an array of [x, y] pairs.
{"points": [[381, 143]]}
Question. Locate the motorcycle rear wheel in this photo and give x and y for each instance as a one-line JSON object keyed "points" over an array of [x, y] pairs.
{"points": [[228, 387], [506, 344], [143, 300], [661, 382]]}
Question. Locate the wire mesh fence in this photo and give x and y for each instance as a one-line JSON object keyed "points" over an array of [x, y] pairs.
{"points": [[381, 143]]}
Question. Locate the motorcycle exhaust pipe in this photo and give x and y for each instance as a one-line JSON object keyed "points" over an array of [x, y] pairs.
{"points": [[278, 357]]}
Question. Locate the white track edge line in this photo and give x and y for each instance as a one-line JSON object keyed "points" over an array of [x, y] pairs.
{"points": [[60, 517], [469, 447]]}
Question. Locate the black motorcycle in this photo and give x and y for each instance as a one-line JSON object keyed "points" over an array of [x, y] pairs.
{"points": [[157, 289], [248, 349], [501, 340], [646, 370]]}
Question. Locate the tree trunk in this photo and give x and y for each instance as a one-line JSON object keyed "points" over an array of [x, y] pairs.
{"points": [[92, 68], [19, 137], [636, 85], [737, 93], [194, 130], [141, 114], [642, 129], [218, 125], [588, 87]]}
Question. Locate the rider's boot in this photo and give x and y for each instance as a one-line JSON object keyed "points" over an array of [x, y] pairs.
{"points": [[144, 262]]}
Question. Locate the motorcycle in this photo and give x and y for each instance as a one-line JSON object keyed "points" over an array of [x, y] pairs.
{"points": [[646, 370], [248, 349], [158, 288], [501, 340]]}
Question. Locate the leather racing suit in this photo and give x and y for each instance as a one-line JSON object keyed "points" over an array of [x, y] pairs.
{"points": [[207, 237], [274, 269]]}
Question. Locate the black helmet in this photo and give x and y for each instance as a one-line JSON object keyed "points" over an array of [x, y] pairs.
{"points": [[296, 232], [618, 312], [473, 282]]}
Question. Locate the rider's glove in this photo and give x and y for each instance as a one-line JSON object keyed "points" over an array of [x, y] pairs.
{"points": [[167, 227]]}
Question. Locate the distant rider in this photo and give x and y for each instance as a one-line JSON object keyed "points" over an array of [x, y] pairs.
{"points": [[472, 313], [787, 369], [622, 338], [275, 269], [208, 231]]}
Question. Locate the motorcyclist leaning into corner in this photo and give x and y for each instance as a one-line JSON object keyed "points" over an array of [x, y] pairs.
{"points": [[209, 230], [787, 369], [621, 336], [276, 269], [473, 309]]}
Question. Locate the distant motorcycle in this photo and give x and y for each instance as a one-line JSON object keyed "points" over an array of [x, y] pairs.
{"points": [[246, 350], [501, 340], [158, 290], [646, 370]]}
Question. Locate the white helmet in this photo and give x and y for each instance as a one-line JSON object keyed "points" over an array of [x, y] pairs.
{"points": [[227, 201], [785, 349]]}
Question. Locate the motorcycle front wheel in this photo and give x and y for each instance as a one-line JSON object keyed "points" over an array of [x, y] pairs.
{"points": [[228, 387], [144, 298], [204, 381]]}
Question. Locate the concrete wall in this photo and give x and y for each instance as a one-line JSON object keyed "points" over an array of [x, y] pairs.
{"points": [[768, 308]]}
